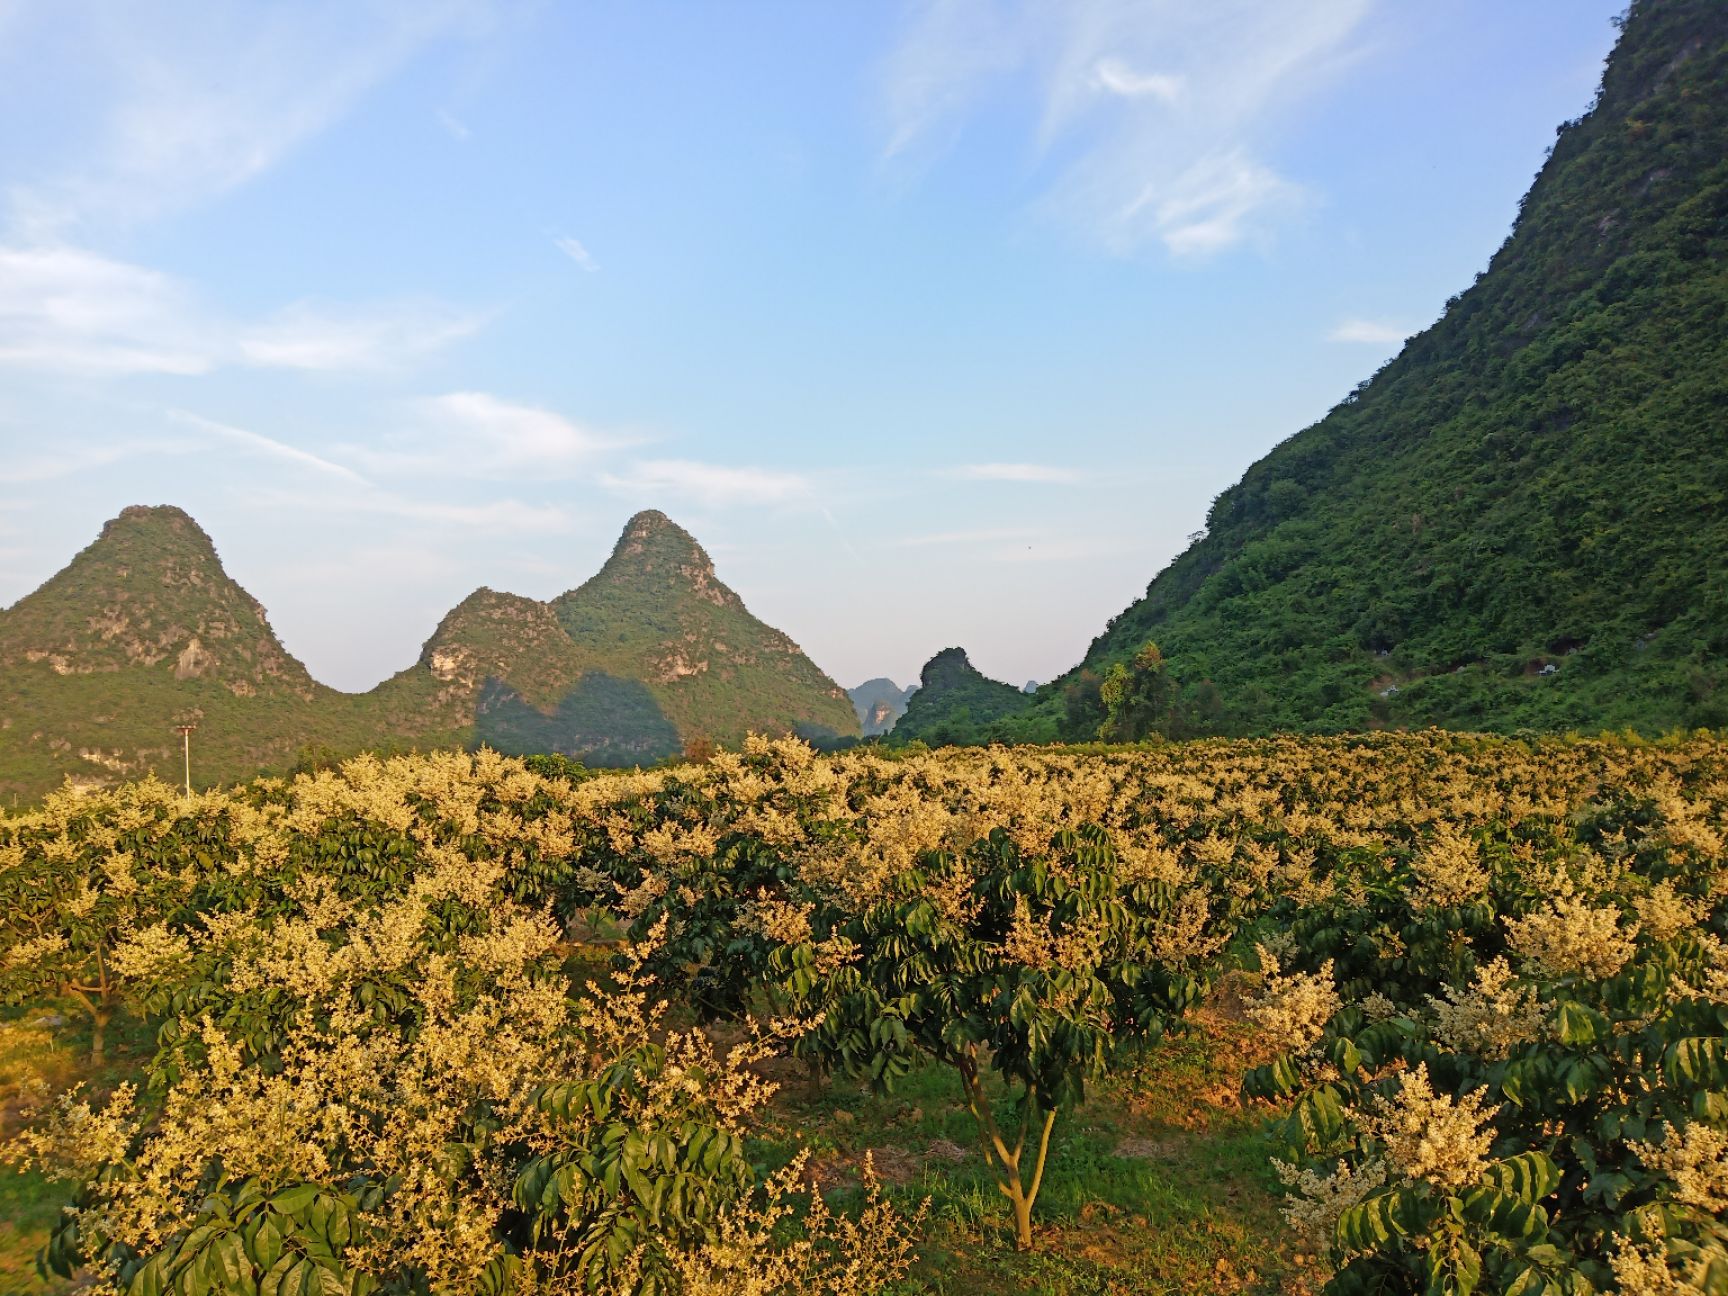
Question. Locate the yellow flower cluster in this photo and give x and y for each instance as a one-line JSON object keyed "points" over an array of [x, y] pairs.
{"points": [[1642, 1270], [1695, 1159], [1493, 1017], [1292, 1010], [1430, 1137], [1315, 1201], [1449, 869], [1571, 936]]}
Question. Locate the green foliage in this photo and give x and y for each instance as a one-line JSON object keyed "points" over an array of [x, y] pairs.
{"points": [[656, 612], [1536, 480], [64, 911], [1139, 698], [368, 995], [144, 630], [1029, 967], [955, 704], [1610, 1041]]}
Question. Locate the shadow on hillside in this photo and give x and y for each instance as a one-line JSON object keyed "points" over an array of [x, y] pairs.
{"points": [[603, 721]]}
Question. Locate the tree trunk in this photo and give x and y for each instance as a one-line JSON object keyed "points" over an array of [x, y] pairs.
{"points": [[98, 1035], [1002, 1159], [1022, 1216]]}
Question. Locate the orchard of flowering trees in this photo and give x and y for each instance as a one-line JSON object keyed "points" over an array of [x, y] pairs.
{"points": [[1492, 977]]}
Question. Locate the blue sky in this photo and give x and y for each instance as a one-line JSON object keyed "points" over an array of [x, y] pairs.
{"points": [[937, 323]]}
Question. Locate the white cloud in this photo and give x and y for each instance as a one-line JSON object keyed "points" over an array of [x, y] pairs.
{"points": [[1047, 474], [711, 485], [69, 310], [573, 249], [268, 446], [457, 130], [1205, 210], [196, 98], [329, 338], [346, 491], [953, 52], [66, 309], [476, 434], [1154, 114], [1117, 77], [1375, 331]]}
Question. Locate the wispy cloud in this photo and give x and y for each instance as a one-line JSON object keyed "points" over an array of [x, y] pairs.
{"points": [[477, 434], [69, 310], [1045, 474], [1117, 77], [330, 338], [1362, 330], [456, 129], [66, 309], [199, 98], [1154, 114], [343, 490], [573, 249], [710, 485], [1210, 206], [267, 446]]}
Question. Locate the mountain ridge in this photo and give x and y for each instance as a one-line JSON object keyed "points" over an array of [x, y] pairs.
{"points": [[880, 703], [1521, 520], [144, 629]]}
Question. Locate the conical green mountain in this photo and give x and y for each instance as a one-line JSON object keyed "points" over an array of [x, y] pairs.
{"points": [[657, 613], [956, 702], [1522, 520], [144, 630]]}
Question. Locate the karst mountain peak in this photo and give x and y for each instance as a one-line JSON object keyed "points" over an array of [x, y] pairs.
{"points": [[144, 630], [653, 550]]}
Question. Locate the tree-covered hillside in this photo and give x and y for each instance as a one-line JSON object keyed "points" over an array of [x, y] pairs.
{"points": [[957, 703], [144, 630], [1522, 520], [656, 612]]}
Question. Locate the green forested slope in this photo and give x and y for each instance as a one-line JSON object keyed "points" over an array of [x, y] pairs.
{"points": [[144, 630], [956, 702], [657, 613], [1538, 480]]}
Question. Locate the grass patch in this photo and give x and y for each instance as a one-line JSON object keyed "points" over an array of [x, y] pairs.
{"points": [[1157, 1184]]}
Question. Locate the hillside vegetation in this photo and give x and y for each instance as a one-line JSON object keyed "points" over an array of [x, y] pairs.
{"points": [[144, 630], [1522, 520], [955, 702]]}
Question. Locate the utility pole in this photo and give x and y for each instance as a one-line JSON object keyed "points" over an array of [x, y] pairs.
{"points": [[185, 732]]}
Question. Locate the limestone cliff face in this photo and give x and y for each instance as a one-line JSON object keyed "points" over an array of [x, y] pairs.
{"points": [[491, 635], [880, 703]]}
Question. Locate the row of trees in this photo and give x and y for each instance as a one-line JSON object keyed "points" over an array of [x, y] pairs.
{"points": [[1519, 949]]}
